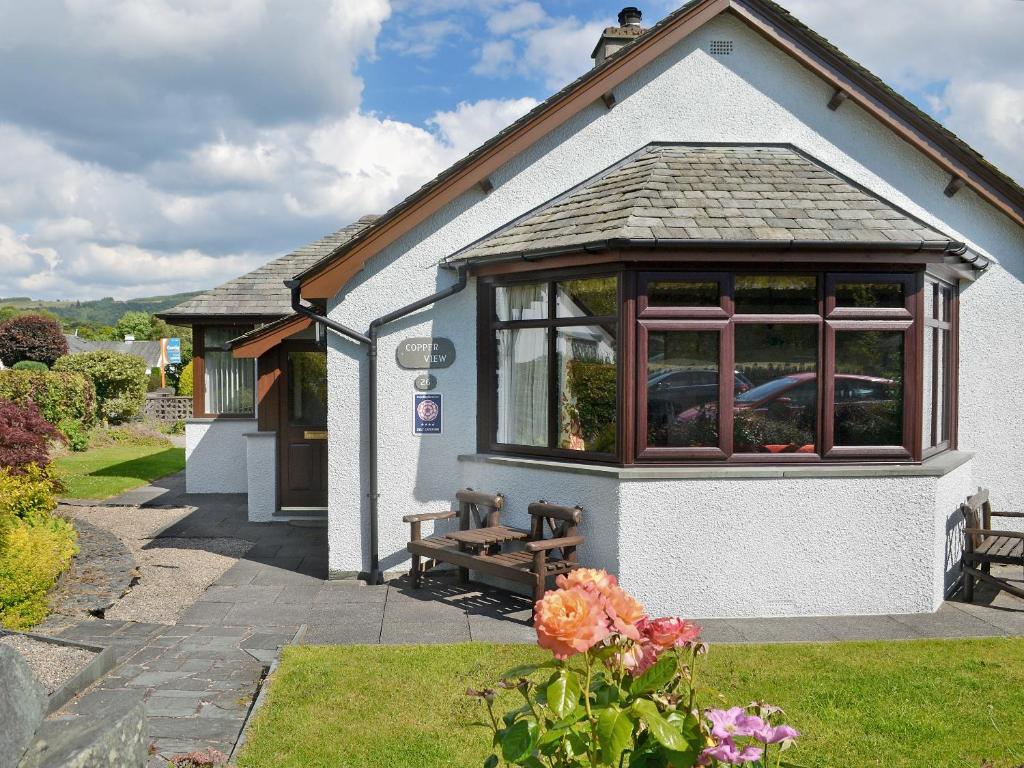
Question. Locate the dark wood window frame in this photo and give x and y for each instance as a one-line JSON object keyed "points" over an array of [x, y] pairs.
{"points": [[199, 374], [943, 321], [635, 315]]}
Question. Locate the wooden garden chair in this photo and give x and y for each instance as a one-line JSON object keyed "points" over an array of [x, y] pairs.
{"points": [[984, 545]]}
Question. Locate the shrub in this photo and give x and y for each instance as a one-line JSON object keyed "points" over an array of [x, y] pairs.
{"points": [[30, 365], [36, 546], [185, 381], [24, 436], [76, 436], [120, 381], [177, 428], [137, 324], [64, 397], [31, 337], [153, 381]]}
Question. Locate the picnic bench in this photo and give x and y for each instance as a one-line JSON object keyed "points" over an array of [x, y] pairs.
{"points": [[482, 544], [984, 545]]}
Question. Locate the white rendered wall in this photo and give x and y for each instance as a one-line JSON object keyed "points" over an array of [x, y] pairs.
{"points": [[757, 94], [261, 471], [215, 455]]}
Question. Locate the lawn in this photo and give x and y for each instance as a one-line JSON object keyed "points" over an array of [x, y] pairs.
{"points": [[907, 704], [99, 473]]}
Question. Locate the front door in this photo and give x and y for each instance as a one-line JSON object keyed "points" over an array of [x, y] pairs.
{"points": [[303, 413]]}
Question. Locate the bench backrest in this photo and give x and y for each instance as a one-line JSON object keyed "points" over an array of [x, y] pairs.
{"points": [[977, 513], [561, 521], [483, 509]]}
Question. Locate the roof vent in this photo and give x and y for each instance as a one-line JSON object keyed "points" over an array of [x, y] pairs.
{"points": [[720, 47]]}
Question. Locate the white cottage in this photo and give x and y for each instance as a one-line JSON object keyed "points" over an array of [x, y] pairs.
{"points": [[743, 303]]}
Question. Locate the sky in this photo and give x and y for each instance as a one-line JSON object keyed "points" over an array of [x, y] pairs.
{"points": [[157, 146]]}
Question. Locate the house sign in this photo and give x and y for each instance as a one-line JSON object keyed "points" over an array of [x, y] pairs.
{"points": [[425, 382], [422, 352]]}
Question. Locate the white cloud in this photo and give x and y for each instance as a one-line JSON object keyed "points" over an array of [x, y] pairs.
{"points": [[518, 16], [497, 58]]}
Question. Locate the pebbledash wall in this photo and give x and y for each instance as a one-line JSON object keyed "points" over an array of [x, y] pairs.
{"points": [[215, 455], [697, 542]]}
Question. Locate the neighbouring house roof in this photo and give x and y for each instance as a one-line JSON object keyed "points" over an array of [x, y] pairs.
{"points": [[701, 195], [149, 351], [261, 293], [323, 278]]}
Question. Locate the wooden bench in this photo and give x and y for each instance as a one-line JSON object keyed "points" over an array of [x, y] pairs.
{"points": [[483, 547], [984, 546]]}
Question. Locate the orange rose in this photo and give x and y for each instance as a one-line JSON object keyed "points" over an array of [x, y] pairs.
{"points": [[570, 621], [625, 611], [600, 580]]}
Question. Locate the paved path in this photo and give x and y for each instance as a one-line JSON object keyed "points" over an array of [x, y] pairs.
{"points": [[201, 675]]}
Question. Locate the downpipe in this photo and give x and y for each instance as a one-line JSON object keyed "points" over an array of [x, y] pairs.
{"points": [[369, 340]]}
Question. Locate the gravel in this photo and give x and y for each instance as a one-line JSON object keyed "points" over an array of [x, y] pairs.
{"points": [[173, 572], [52, 664]]}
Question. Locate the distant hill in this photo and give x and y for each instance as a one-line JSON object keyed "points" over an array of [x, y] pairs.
{"points": [[99, 311]]}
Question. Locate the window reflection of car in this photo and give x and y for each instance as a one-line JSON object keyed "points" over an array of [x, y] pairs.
{"points": [[686, 387], [798, 391]]}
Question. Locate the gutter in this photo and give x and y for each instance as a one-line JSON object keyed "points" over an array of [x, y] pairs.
{"points": [[369, 341]]}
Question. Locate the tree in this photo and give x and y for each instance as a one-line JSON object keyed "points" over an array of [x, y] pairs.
{"points": [[31, 337], [137, 324]]}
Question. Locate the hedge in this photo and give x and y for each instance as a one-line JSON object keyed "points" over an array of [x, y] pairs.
{"points": [[30, 365], [120, 381], [65, 398]]}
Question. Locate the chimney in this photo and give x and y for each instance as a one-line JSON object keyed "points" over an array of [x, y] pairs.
{"points": [[614, 38]]}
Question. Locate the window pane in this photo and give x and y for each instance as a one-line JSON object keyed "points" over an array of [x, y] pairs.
{"points": [[869, 388], [587, 388], [776, 294], [870, 295], [528, 301], [928, 390], [940, 384], [682, 388], [307, 388], [229, 381], [931, 291], [589, 297], [682, 293], [522, 360], [946, 295], [776, 409]]}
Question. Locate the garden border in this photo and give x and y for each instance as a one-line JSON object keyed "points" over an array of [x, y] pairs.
{"points": [[104, 661]]}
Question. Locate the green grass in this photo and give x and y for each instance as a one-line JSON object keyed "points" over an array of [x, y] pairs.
{"points": [[909, 704], [99, 473]]}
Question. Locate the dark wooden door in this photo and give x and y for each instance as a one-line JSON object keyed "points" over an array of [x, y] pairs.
{"points": [[303, 431]]}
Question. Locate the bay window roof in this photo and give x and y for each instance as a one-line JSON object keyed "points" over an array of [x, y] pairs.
{"points": [[682, 196]]}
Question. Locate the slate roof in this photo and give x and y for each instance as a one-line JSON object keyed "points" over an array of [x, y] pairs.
{"points": [[941, 136], [147, 350], [710, 193], [261, 293]]}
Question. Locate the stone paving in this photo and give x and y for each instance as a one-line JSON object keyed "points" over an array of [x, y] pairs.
{"points": [[200, 675]]}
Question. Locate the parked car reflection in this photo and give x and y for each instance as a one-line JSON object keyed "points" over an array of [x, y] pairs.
{"points": [[780, 416]]}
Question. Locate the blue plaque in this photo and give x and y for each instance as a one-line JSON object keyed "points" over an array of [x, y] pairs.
{"points": [[426, 414]]}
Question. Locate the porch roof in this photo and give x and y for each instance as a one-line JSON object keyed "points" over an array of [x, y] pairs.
{"points": [[708, 195]]}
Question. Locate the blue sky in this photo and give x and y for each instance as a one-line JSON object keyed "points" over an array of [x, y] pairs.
{"points": [[155, 146]]}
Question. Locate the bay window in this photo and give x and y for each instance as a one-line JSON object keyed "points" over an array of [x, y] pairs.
{"points": [[745, 365]]}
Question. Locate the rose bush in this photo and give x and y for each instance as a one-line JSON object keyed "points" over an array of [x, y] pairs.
{"points": [[621, 691]]}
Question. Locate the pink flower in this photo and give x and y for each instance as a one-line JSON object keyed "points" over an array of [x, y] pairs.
{"points": [[769, 735], [570, 621], [727, 723], [669, 633], [600, 580], [728, 752], [637, 659], [626, 612]]}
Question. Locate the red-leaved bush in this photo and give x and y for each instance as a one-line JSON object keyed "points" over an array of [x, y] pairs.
{"points": [[31, 337], [24, 436]]}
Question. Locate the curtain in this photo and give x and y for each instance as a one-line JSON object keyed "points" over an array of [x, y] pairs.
{"points": [[522, 361], [230, 381]]}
